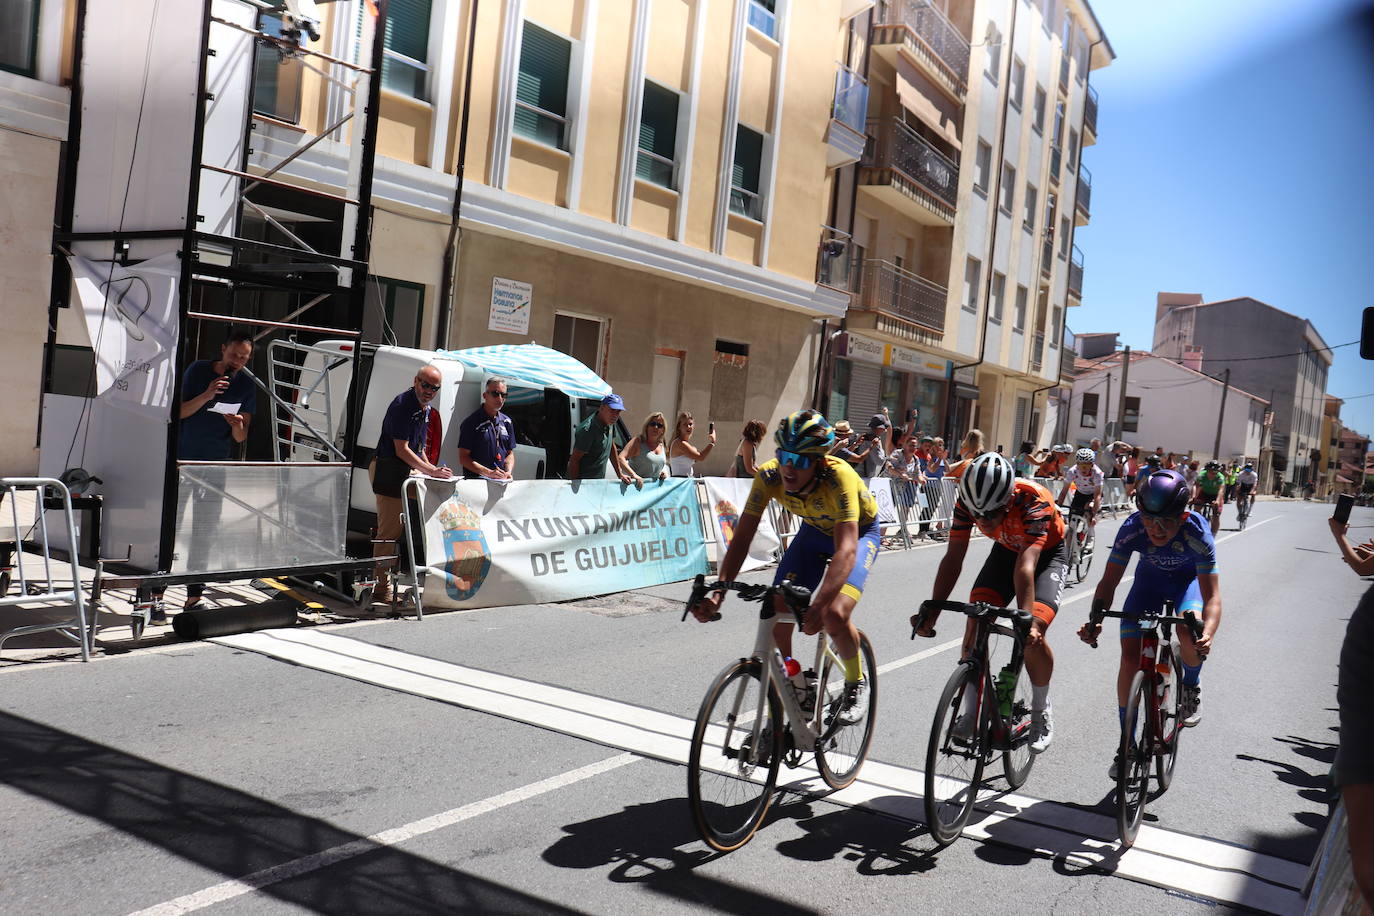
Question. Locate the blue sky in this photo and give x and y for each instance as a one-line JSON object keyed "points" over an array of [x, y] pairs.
{"points": [[1234, 159]]}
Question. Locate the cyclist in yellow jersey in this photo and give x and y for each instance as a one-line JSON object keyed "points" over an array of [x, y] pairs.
{"points": [[839, 524]]}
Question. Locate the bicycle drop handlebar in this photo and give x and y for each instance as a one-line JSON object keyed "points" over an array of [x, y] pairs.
{"points": [[1164, 615], [797, 598], [976, 609]]}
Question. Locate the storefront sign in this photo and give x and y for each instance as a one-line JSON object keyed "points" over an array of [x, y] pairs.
{"points": [[899, 358], [964, 376], [510, 306], [868, 351]]}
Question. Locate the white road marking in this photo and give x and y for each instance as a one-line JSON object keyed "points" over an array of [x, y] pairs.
{"points": [[296, 867], [1195, 865]]}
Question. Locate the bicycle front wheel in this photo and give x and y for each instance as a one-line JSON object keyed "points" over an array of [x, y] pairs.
{"points": [[1171, 727], [733, 764], [1133, 775], [840, 751], [1017, 758], [955, 757]]}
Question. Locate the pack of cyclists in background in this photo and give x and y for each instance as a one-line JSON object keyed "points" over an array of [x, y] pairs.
{"points": [[1028, 565], [839, 524], [1208, 491], [1085, 481], [1178, 563]]}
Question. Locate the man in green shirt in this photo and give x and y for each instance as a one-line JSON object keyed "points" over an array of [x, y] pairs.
{"points": [[594, 444], [1208, 490]]}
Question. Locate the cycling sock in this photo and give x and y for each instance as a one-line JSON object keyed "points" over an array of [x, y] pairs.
{"points": [[852, 671], [1191, 673], [1040, 697]]}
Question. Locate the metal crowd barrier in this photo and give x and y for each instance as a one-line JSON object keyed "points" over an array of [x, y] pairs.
{"points": [[45, 588]]}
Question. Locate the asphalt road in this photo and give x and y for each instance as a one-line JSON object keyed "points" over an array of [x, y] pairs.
{"points": [[392, 766]]}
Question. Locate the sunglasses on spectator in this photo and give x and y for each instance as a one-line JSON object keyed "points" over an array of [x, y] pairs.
{"points": [[655, 424], [792, 459], [497, 394], [427, 386]]}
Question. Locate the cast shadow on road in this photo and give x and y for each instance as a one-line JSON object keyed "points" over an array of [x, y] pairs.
{"points": [[1313, 782], [237, 834]]}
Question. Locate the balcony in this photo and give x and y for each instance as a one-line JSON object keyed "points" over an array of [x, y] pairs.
{"points": [[929, 39], [1076, 274], [1082, 200], [905, 171], [1047, 254], [1037, 350], [889, 290], [845, 136], [834, 258], [1090, 116]]}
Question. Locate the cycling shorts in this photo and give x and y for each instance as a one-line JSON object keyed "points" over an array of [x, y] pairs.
{"points": [[1149, 594], [1081, 502], [806, 558], [996, 580]]}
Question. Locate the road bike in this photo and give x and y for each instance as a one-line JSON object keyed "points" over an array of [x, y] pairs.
{"points": [[756, 716], [1244, 504], [1081, 545], [978, 714], [1206, 508], [1152, 725]]}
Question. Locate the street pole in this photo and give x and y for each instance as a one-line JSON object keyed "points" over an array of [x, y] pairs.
{"points": [[1107, 412], [1221, 415], [1121, 405]]}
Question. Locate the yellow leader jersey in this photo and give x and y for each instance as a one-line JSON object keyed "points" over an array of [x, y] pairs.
{"points": [[838, 496]]}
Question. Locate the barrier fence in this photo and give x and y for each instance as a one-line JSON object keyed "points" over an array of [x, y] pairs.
{"points": [[44, 587]]}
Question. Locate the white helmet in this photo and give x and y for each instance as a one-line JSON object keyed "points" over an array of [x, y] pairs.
{"points": [[1085, 455], [1064, 448], [987, 483]]}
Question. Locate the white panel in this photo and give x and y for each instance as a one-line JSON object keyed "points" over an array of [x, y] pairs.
{"points": [[666, 386], [229, 73], [138, 77]]}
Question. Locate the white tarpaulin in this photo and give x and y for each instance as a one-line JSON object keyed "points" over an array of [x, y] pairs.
{"points": [[131, 316], [881, 489], [725, 498]]}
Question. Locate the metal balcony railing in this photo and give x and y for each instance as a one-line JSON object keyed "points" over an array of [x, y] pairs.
{"points": [[893, 145], [1076, 274], [1090, 111], [834, 258], [1083, 198], [930, 32], [1037, 350], [1056, 159], [851, 99], [1047, 253], [889, 289]]}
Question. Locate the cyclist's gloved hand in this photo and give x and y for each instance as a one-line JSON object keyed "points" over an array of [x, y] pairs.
{"points": [[708, 609], [1089, 633], [923, 621]]}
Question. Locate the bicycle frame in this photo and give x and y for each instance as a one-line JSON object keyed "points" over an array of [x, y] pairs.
{"points": [[985, 618], [805, 730]]}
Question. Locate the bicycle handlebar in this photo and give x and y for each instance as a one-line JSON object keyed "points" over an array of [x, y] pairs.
{"points": [[1188, 619], [975, 609], [796, 597]]}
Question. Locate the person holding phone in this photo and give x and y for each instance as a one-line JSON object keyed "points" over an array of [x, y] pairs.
{"points": [[683, 456]]}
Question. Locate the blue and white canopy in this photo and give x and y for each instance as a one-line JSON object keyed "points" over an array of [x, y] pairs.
{"points": [[537, 365]]}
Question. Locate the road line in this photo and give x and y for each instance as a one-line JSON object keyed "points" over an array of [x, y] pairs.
{"points": [[1196, 865], [248, 884]]}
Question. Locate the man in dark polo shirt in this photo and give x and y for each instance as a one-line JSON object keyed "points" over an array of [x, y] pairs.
{"points": [[486, 439], [407, 429], [593, 444]]}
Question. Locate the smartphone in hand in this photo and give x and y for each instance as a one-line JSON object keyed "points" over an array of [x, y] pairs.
{"points": [[711, 427], [1344, 503]]}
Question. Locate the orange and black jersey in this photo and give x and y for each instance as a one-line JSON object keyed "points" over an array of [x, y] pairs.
{"points": [[1031, 520]]}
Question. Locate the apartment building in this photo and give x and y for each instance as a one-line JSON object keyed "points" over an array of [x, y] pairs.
{"points": [[35, 66], [963, 209], [1231, 334], [1353, 455], [1329, 467]]}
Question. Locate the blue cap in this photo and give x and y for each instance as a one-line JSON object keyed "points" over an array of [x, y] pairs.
{"points": [[613, 401]]}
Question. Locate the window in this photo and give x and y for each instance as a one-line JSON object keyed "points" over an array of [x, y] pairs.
{"points": [[579, 337], [1057, 315], [1018, 83], [1038, 113], [1032, 197], [1070, 161], [744, 177], [1063, 237], [1058, 135], [658, 136], [973, 269], [982, 167], [762, 16], [541, 90], [1088, 418], [19, 36], [994, 53], [1131, 418], [1020, 318], [729, 380], [276, 79], [405, 53], [999, 294], [1008, 188], [391, 312]]}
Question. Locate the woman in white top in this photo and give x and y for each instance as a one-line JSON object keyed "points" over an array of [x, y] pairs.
{"points": [[682, 454]]}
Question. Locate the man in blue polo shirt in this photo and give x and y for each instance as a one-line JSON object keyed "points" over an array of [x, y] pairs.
{"points": [[486, 439]]}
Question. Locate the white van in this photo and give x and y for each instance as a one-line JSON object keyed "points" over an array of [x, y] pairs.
{"points": [[549, 394]]}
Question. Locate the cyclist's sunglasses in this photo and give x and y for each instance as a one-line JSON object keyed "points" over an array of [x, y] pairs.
{"points": [[1159, 522], [800, 462]]}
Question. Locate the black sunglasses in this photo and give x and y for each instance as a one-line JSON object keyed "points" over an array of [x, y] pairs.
{"points": [[427, 386], [497, 394], [655, 424]]}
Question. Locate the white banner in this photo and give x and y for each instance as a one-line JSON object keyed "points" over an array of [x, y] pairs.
{"points": [[131, 316], [882, 492], [725, 499], [532, 541]]}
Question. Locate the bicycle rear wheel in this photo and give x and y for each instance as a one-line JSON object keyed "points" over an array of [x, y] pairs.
{"points": [[729, 780], [954, 766], [1017, 758], [1075, 548], [1170, 725], [1133, 776], [840, 751]]}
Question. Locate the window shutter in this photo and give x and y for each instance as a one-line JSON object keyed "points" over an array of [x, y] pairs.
{"points": [[748, 156], [543, 83], [657, 134], [407, 32]]}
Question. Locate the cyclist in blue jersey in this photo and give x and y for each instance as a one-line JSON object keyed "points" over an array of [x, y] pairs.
{"points": [[1178, 563]]}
